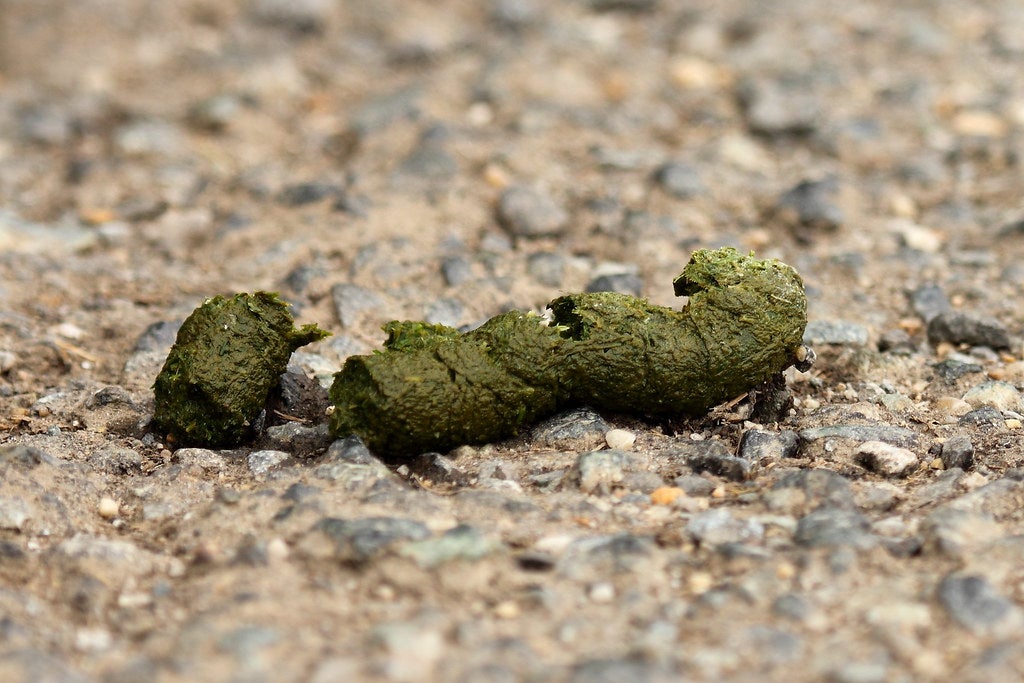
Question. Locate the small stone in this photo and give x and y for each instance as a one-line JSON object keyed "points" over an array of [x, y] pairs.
{"points": [[714, 457], [623, 283], [456, 270], [985, 416], [547, 268], [886, 459], [261, 462], [667, 495], [679, 179], [108, 508], [975, 604], [838, 332], [757, 445], [619, 439], [719, 526], [1002, 396], [359, 540], [918, 237], [412, 648], [301, 194], [216, 113], [350, 450], [351, 301], [929, 301], [952, 369], [579, 428], [300, 16], [895, 340], [811, 204], [460, 543], [957, 451], [833, 527], [601, 593], [444, 311], [14, 513], [695, 485], [968, 328], [601, 469], [117, 460], [778, 108], [380, 112], [440, 470], [897, 436], [528, 212]]}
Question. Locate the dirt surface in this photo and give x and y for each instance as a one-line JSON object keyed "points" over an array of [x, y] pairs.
{"points": [[452, 160]]}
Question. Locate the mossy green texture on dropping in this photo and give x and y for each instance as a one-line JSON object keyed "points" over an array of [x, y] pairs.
{"points": [[228, 355], [432, 388]]}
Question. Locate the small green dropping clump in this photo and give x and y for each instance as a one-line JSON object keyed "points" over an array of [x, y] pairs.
{"points": [[228, 355], [433, 388]]}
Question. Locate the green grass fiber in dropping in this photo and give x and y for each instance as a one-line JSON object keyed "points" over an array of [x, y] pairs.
{"points": [[228, 355], [432, 388]]}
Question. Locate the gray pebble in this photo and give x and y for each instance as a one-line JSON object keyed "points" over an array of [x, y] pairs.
{"points": [[623, 283], [570, 429], [828, 527], [159, 336], [440, 470], [463, 542], [679, 179], [301, 194], [246, 643], [623, 5], [116, 460], [514, 14], [791, 606], [776, 108], [929, 301], [818, 488], [429, 160], [967, 328], [300, 493], [299, 439], [547, 268], [351, 301], [758, 444], [351, 450], [456, 270], [597, 471], [358, 540], [301, 16], [24, 457], [895, 340], [718, 527], [261, 462], [216, 113], [974, 603], [812, 204], [986, 416], [618, 670], [838, 332], [380, 112], [149, 137], [957, 451], [886, 459], [604, 556], [897, 436], [1002, 396], [952, 369], [695, 485], [444, 311], [529, 212], [46, 124], [716, 458]]}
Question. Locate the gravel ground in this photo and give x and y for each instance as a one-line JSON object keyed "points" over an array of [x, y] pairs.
{"points": [[451, 160]]}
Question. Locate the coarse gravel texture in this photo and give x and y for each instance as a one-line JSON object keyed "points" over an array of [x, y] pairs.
{"points": [[451, 160]]}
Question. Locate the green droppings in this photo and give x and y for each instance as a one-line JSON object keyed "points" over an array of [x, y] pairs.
{"points": [[228, 355], [433, 389]]}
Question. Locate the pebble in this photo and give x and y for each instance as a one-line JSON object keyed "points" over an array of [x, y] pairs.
{"points": [[578, 428], [695, 485], [116, 460], [301, 16], [831, 527], [261, 462], [599, 557], [429, 160], [967, 328], [351, 301], [108, 508], [15, 512], [975, 604], [897, 436], [597, 471], [440, 470], [667, 495], [298, 439], [957, 451], [530, 212], [412, 648], [359, 540], [547, 268], [1002, 396], [444, 311], [774, 108], [680, 179], [719, 526], [811, 204], [380, 112], [456, 270], [817, 488], [350, 450], [929, 301], [619, 439], [301, 194], [986, 417], [623, 283], [758, 444], [886, 459], [463, 542], [838, 332]]}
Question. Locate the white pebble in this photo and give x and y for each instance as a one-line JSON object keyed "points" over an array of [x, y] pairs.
{"points": [[602, 592], [886, 459], [620, 438], [108, 508]]}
